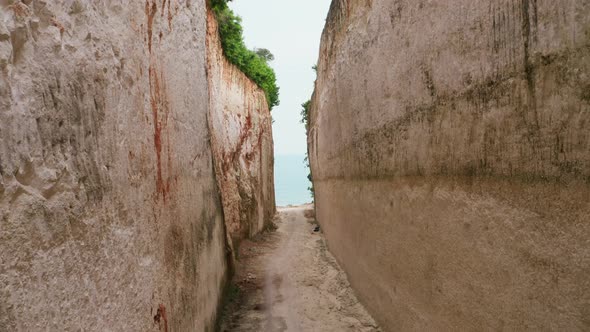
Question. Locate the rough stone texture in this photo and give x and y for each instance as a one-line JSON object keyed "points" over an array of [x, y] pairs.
{"points": [[241, 137], [450, 150], [110, 217]]}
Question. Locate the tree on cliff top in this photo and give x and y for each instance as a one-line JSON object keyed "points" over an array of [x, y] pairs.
{"points": [[253, 63], [265, 54]]}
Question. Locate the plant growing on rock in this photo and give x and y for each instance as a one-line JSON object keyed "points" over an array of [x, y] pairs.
{"points": [[253, 63], [305, 120], [305, 114]]}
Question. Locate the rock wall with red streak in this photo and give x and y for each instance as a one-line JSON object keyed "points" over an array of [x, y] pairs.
{"points": [[110, 216], [241, 137], [450, 150]]}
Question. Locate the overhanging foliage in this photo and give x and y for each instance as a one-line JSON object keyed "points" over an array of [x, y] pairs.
{"points": [[254, 65]]}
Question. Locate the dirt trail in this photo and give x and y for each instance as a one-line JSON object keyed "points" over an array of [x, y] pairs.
{"points": [[286, 280]]}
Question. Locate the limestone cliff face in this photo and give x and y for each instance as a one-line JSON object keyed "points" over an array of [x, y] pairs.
{"points": [[450, 150], [110, 214], [241, 137]]}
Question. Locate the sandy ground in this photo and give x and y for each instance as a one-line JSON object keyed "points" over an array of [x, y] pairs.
{"points": [[286, 280]]}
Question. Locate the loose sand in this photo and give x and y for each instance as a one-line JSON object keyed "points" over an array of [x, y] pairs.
{"points": [[286, 280]]}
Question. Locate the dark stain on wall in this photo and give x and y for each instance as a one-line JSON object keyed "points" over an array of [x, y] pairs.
{"points": [[161, 319], [150, 10]]}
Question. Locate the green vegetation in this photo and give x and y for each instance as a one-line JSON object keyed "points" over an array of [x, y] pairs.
{"points": [[305, 113], [264, 53], [254, 63], [309, 177], [305, 108], [305, 120]]}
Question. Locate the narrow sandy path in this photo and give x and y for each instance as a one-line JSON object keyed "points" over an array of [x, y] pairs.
{"points": [[286, 280]]}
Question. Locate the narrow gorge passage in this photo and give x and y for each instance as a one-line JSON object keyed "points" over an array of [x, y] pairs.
{"points": [[145, 147], [286, 280]]}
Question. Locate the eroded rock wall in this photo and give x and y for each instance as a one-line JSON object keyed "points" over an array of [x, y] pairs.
{"points": [[241, 137], [110, 217], [450, 150]]}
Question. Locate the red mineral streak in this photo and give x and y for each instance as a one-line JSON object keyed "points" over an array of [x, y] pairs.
{"points": [[150, 11], [161, 317], [169, 15], [159, 103]]}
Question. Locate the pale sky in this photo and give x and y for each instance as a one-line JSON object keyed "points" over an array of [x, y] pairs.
{"points": [[291, 30]]}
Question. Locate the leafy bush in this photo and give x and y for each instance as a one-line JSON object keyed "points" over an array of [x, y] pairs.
{"points": [[254, 63], [305, 114]]}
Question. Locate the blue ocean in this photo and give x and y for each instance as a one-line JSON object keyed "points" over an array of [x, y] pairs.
{"points": [[291, 181]]}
